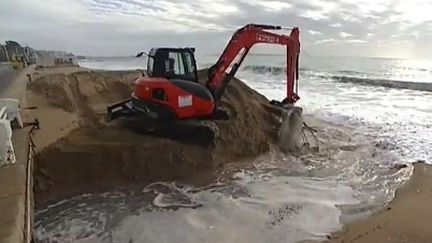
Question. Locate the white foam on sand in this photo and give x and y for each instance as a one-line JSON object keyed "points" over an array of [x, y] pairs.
{"points": [[269, 209], [280, 199]]}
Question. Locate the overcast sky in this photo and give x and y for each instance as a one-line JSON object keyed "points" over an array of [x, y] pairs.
{"points": [[390, 28]]}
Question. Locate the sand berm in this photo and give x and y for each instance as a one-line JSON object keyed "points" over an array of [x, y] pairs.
{"points": [[79, 152]]}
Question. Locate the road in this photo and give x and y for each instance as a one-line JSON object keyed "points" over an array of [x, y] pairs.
{"points": [[7, 74]]}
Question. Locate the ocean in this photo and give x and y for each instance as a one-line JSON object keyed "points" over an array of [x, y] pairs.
{"points": [[391, 97], [380, 112]]}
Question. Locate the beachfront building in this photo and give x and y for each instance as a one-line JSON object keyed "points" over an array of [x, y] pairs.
{"points": [[16, 54], [3, 54], [14, 49], [55, 59]]}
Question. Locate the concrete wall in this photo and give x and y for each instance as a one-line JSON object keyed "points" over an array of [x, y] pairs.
{"points": [[52, 61], [45, 61]]}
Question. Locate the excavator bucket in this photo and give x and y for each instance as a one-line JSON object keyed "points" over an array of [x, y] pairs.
{"points": [[290, 133], [291, 128]]}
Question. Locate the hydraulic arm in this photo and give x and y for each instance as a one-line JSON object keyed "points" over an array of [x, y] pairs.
{"points": [[239, 46]]}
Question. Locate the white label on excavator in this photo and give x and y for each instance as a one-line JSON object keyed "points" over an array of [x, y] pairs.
{"points": [[184, 101]]}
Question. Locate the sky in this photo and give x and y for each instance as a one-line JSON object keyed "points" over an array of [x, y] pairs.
{"points": [[375, 28]]}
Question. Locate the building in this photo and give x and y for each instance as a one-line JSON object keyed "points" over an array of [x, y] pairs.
{"points": [[56, 61], [14, 49], [30, 55], [14, 53], [4, 57]]}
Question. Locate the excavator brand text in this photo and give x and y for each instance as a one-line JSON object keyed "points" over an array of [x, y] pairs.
{"points": [[266, 38]]}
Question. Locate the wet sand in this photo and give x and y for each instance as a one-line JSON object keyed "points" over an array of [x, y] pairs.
{"points": [[79, 152], [69, 139], [406, 219]]}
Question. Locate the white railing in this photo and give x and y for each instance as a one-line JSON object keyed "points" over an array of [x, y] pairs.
{"points": [[3, 114], [10, 116]]}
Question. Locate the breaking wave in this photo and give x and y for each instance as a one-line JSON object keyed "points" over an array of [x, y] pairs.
{"points": [[273, 70], [171, 195], [354, 77], [388, 83]]}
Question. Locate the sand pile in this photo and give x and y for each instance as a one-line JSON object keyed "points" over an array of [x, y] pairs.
{"points": [[84, 154]]}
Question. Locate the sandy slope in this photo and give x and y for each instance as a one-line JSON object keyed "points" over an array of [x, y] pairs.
{"points": [[79, 152], [58, 121], [406, 219]]}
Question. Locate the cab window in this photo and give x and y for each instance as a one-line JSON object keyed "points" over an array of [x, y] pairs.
{"points": [[190, 65], [150, 63], [174, 65]]}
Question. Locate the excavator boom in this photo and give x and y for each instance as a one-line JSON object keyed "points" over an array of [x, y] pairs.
{"points": [[239, 46]]}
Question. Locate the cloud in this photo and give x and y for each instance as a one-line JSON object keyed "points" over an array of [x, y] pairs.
{"points": [[269, 5], [325, 41], [344, 35], [314, 32], [415, 11], [336, 25], [355, 41], [116, 27], [314, 15]]}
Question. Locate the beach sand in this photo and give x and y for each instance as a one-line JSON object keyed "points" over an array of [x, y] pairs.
{"points": [[81, 154], [404, 220]]}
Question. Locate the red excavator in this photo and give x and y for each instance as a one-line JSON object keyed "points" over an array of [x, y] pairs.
{"points": [[171, 91]]}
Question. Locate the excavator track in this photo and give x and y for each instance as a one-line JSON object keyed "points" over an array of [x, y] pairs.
{"points": [[223, 111], [201, 130], [194, 131], [198, 132]]}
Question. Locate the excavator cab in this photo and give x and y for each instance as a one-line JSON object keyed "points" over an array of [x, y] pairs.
{"points": [[170, 90], [172, 63]]}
